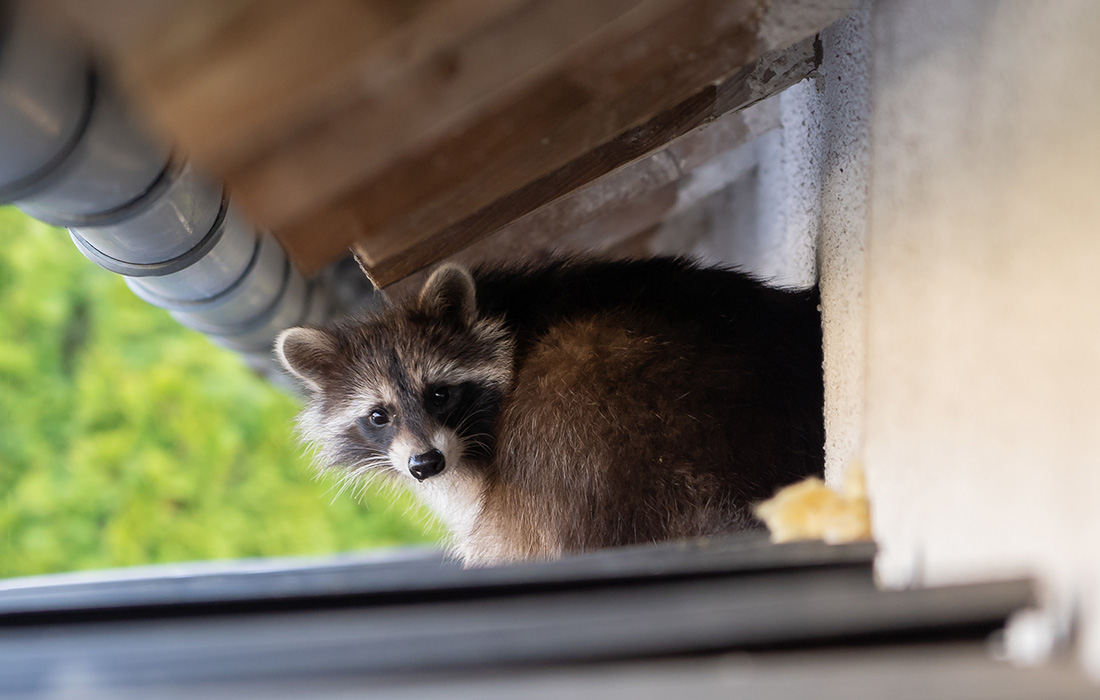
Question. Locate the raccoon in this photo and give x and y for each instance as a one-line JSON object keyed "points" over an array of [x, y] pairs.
{"points": [[577, 404]]}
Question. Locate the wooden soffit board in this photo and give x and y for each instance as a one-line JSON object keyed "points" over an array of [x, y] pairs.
{"points": [[412, 129]]}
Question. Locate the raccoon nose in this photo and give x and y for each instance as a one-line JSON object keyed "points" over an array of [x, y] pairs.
{"points": [[428, 464]]}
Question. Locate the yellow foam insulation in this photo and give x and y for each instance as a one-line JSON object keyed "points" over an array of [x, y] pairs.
{"points": [[810, 510]]}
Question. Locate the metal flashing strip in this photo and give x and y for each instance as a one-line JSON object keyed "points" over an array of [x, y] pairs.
{"points": [[423, 577], [518, 627]]}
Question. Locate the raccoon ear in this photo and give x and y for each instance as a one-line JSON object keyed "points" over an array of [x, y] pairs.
{"points": [[307, 353], [449, 295]]}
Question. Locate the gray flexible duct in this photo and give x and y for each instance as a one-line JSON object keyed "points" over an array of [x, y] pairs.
{"points": [[73, 155]]}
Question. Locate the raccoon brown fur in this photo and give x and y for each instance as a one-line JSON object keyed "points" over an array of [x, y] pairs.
{"points": [[573, 405]]}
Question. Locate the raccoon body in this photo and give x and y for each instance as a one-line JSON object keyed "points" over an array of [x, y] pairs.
{"points": [[573, 405]]}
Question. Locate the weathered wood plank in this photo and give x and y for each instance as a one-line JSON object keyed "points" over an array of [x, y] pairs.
{"points": [[234, 80], [770, 74], [295, 103], [419, 104], [394, 123]]}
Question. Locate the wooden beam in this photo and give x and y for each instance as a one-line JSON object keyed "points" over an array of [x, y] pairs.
{"points": [[390, 259], [428, 206], [404, 108], [232, 80], [297, 103], [336, 121]]}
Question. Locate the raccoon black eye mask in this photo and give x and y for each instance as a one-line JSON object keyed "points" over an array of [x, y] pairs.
{"points": [[578, 404]]}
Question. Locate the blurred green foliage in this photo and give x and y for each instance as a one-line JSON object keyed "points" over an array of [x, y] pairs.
{"points": [[127, 439]]}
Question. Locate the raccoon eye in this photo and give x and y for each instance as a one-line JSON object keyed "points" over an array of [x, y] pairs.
{"points": [[438, 397], [378, 418]]}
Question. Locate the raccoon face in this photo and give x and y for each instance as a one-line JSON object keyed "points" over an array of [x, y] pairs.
{"points": [[416, 390]]}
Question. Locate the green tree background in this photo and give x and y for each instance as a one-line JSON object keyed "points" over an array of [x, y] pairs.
{"points": [[127, 439]]}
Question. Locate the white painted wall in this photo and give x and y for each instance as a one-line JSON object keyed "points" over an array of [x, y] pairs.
{"points": [[956, 146], [982, 426]]}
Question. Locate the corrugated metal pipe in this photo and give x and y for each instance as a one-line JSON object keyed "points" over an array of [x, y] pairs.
{"points": [[73, 155]]}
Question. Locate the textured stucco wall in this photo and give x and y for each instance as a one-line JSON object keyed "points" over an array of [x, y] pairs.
{"points": [[756, 207], [843, 145], [981, 433]]}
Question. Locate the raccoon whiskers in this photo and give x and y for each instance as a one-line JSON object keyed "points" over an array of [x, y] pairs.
{"points": [[474, 436], [478, 438], [474, 444], [363, 484], [474, 451], [360, 475], [466, 419], [345, 481]]}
